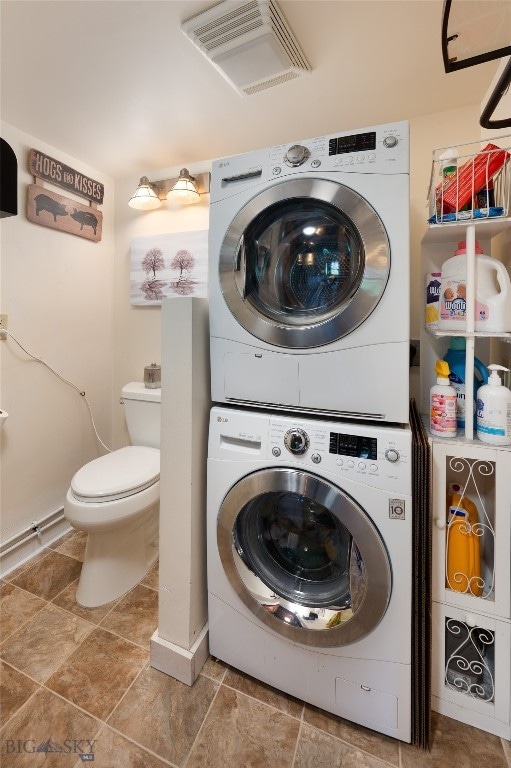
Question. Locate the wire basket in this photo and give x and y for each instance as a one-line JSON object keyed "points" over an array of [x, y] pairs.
{"points": [[470, 181]]}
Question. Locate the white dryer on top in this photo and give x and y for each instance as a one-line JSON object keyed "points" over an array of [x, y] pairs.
{"points": [[309, 276]]}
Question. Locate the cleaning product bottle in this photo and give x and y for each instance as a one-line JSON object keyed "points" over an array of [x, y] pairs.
{"points": [[449, 162], [494, 410], [455, 356], [463, 551], [432, 299], [448, 168], [492, 306], [442, 408]]}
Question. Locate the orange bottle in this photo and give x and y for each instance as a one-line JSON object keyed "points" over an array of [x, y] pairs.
{"points": [[463, 557]]}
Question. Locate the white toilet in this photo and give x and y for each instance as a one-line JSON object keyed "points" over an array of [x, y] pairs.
{"points": [[116, 500]]}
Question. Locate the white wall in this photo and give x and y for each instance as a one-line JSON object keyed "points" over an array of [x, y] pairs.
{"points": [[57, 290], [137, 330]]}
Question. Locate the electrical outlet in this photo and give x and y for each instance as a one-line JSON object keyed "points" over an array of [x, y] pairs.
{"points": [[3, 322]]}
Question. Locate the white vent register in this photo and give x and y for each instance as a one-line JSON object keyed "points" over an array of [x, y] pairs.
{"points": [[249, 43]]}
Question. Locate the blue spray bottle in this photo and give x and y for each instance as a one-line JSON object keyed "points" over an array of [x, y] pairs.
{"points": [[455, 356]]}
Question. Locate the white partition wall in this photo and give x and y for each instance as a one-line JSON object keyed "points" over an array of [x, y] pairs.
{"points": [[179, 646]]}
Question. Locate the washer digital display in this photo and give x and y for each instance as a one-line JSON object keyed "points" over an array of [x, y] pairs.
{"points": [[353, 445]]}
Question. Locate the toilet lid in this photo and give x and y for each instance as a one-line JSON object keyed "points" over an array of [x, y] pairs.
{"points": [[117, 474]]}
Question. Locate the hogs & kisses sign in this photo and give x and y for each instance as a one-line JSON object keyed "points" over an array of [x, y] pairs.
{"points": [[56, 211]]}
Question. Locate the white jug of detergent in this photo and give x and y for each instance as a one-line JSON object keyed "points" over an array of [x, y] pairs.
{"points": [[492, 310]]}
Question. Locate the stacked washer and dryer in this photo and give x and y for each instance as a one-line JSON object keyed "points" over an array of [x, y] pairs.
{"points": [[309, 515]]}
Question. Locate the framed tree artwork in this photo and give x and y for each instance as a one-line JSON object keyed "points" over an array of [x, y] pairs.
{"points": [[168, 266]]}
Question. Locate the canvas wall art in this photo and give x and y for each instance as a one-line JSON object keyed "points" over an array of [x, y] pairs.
{"points": [[168, 266]]}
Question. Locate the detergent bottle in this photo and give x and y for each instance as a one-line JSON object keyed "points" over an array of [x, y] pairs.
{"points": [[492, 306], [455, 357], [442, 403], [463, 550]]}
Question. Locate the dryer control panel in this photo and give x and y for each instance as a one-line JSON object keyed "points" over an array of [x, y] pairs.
{"points": [[382, 149]]}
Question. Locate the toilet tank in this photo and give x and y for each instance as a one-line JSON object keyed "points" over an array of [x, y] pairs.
{"points": [[142, 407]]}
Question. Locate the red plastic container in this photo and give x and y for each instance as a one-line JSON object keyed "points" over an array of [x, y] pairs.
{"points": [[471, 177]]}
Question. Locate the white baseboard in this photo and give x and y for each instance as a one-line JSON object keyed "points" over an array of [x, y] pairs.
{"points": [[31, 541], [178, 662]]}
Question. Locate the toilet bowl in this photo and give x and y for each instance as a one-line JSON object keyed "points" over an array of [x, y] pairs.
{"points": [[115, 499]]}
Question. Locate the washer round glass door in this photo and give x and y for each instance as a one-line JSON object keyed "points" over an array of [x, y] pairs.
{"points": [[304, 263], [304, 557]]}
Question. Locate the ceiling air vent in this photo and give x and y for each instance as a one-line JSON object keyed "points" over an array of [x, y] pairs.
{"points": [[249, 43]]}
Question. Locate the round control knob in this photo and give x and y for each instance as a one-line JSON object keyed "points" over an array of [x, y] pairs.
{"points": [[392, 455], [316, 458], [390, 141], [296, 155], [276, 451], [296, 441]]}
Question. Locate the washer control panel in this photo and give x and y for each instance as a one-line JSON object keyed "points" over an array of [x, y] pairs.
{"points": [[371, 455]]}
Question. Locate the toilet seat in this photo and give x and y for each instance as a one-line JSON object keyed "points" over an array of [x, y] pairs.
{"points": [[117, 475]]}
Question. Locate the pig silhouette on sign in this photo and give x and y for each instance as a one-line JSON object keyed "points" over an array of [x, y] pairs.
{"points": [[85, 219], [47, 203]]}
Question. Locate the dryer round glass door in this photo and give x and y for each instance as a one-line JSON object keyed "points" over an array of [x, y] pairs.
{"points": [[304, 557], [304, 263]]}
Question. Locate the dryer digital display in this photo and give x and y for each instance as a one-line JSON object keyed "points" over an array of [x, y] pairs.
{"points": [[357, 142]]}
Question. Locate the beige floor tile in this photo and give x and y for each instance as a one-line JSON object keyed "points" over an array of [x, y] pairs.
{"points": [[152, 578], [67, 600], [507, 750], [16, 608], [49, 576], [317, 748], [29, 564], [239, 731], [163, 714], [47, 733], [356, 736], [15, 690], [72, 545], [214, 668], [98, 673], [263, 692], [111, 750], [42, 644], [135, 617], [455, 744]]}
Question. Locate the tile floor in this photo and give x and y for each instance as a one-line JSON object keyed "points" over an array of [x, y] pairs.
{"points": [[78, 684]]}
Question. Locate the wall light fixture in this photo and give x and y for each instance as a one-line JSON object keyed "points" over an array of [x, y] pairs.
{"points": [[184, 190]]}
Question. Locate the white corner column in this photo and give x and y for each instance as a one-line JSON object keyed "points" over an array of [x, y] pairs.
{"points": [[179, 647]]}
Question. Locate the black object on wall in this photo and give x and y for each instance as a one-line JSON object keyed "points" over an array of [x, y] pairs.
{"points": [[465, 44], [8, 180]]}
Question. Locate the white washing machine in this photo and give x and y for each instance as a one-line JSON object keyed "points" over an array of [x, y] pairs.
{"points": [[309, 531], [309, 276]]}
